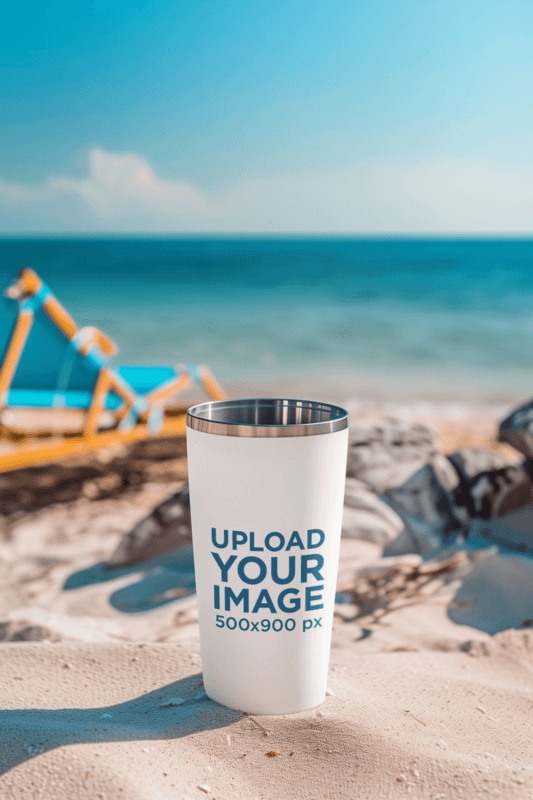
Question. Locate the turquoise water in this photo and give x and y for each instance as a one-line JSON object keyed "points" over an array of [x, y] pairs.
{"points": [[387, 317]]}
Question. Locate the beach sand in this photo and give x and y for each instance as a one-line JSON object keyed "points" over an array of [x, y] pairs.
{"points": [[427, 724], [420, 706]]}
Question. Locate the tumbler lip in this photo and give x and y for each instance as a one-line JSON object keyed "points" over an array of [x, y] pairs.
{"points": [[289, 417]]}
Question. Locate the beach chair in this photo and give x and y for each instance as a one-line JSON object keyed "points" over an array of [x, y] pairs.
{"points": [[52, 368]]}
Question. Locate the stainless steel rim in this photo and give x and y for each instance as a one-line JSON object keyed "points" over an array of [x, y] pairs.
{"points": [[266, 417]]}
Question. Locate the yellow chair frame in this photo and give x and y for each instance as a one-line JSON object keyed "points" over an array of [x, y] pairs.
{"points": [[91, 439]]}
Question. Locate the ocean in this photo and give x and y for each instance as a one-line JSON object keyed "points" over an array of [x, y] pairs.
{"points": [[384, 318]]}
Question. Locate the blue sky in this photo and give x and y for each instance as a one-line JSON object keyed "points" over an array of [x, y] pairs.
{"points": [[360, 116]]}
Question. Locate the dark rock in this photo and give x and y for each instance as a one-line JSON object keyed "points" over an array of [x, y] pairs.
{"points": [[493, 491], [386, 452], [5, 631], [20, 632], [166, 529], [470, 461], [517, 429], [476, 648], [446, 496], [429, 514], [367, 517], [30, 633]]}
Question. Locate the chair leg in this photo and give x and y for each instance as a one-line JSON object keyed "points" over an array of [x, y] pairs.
{"points": [[211, 386], [100, 391], [14, 351], [129, 397]]}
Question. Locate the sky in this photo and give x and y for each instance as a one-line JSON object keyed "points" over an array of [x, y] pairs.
{"points": [[266, 116]]}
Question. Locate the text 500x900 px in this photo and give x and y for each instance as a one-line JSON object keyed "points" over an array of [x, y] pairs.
{"points": [[264, 625]]}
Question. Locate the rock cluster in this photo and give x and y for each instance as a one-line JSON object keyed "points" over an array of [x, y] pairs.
{"points": [[166, 529], [20, 632], [401, 491], [385, 452]]}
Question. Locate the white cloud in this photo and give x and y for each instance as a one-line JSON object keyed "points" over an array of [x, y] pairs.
{"points": [[120, 183], [122, 194]]}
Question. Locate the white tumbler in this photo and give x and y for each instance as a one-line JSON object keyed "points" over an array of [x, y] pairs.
{"points": [[266, 482]]}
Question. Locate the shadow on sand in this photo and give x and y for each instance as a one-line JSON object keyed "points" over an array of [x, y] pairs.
{"points": [[27, 733], [160, 581]]}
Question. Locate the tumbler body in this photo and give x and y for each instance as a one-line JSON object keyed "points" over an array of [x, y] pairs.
{"points": [[266, 522]]}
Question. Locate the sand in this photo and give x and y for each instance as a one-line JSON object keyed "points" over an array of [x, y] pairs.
{"points": [[428, 724], [422, 706]]}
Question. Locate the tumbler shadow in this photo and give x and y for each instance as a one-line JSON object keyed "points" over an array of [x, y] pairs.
{"points": [[27, 733]]}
